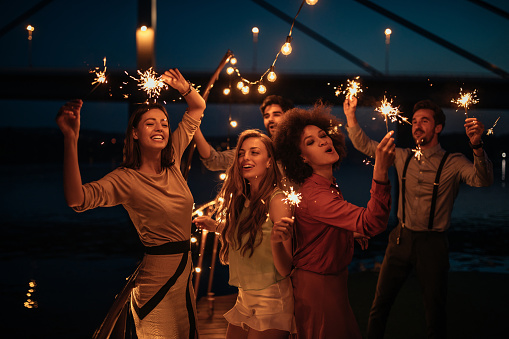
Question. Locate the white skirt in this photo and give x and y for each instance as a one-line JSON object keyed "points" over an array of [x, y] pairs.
{"points": [[270, 308]]}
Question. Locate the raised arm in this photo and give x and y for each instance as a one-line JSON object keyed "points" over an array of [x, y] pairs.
{"points": [[281, 236], [194, 100], [359, 139], [201, 144], [68, 119]]}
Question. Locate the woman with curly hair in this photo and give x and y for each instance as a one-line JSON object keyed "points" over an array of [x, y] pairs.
{"points": [[255, 225], [310, 146]]}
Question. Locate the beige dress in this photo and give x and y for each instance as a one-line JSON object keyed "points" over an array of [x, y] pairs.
{"points": [[160, 208]]}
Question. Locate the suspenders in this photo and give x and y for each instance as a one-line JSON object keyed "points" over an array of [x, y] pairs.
{"points": [[435, 189]]}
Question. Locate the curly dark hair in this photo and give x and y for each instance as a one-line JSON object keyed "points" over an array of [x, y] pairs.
{"points": [[288, 137]]}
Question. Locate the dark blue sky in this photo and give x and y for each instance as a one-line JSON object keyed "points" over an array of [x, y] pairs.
{"points": [[194, 35]]}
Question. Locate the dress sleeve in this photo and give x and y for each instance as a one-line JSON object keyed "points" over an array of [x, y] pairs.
{"points": [[111, 190], [219, 161], [329, 207], [183, 135]]}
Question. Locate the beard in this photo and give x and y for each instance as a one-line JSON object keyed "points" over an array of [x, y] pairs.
{"points": [[421, 140]]}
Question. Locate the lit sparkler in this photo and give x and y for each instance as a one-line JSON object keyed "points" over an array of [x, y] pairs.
{"points": [[100, 76], [390, 112], [334, 129], [418, 150], [490, 131], [150, 82], [292, 198], [466, 100], [352, 88]]}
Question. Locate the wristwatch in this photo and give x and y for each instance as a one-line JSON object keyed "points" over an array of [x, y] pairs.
{"points": [[479, 145]]}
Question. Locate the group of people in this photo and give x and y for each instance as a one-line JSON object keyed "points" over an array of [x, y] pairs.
{"points": [[290, 263]]}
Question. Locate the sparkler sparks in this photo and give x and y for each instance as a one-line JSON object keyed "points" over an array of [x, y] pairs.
{"points": [[418, 152], [352, 88], [292, 198], [334, 129], [100, 76], [490, 131], [150, 82], [390, 112], [466, 100]]}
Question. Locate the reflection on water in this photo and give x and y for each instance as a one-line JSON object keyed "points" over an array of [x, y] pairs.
{"points": [[30, 302]]}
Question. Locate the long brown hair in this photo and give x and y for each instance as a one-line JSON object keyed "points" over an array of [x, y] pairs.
{"points": [[132, 153], [233, 195]]}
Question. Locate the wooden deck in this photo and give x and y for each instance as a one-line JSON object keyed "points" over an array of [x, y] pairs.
{"points": [[211, 323]]}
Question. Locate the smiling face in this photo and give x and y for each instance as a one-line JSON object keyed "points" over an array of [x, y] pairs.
{"points": [[253, 160], [272, 115], [152, 131], [424, 130], [317, 148]]}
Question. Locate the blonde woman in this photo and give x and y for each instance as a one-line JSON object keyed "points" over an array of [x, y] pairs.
{"points": [[255, 226]]}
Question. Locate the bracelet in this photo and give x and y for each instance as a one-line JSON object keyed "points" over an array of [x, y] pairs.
{"points": [[189, 90], [479, 145]]}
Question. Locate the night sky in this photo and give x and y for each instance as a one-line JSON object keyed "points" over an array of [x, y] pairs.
{"points": [[194, 35]]}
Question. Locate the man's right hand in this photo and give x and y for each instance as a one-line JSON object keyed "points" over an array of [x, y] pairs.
{"points": [[349, 107]]}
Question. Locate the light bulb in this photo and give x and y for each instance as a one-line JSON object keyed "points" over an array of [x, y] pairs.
{"points": [[222, 176], [262, 89], [226, 91], [255, 30], [233, 123], [287, 47], [388, 31], [233, 61], [272, 75], [245, 90], [311, 2], [230, 70], [143, 28], [240, 84]]}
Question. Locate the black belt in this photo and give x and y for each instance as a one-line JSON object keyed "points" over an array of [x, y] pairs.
{"points": [[175, 247]]}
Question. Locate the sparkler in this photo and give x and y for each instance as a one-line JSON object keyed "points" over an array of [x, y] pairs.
{"points": [[418, 150], [100, 76], [351, 90], [292, 198], [390, 112], [490, 131], [333, 129], [466, 99], [150, 82]]}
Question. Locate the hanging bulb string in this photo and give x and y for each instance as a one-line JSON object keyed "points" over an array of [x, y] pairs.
{"points": [[248, 82]]}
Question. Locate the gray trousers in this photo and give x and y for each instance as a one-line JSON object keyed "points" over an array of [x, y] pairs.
{"points": [[428, 254]]}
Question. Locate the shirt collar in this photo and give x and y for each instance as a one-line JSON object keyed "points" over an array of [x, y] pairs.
{"points": [[431, 151]]}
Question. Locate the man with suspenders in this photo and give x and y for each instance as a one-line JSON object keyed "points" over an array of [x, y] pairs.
{"points": [[429, 180]]}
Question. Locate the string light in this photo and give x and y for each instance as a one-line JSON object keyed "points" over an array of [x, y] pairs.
{"points": [[287, 47], [226, 91], [272, 75], [240, 85], [245, 90]]}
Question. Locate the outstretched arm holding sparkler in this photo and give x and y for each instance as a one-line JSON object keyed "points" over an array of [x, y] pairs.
{"points": [[197, 105], [281, 235]]}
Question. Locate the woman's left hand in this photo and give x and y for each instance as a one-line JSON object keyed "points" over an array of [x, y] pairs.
{"points": [[205, 223], [282, 230], [361, 239], [176, 80]]}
